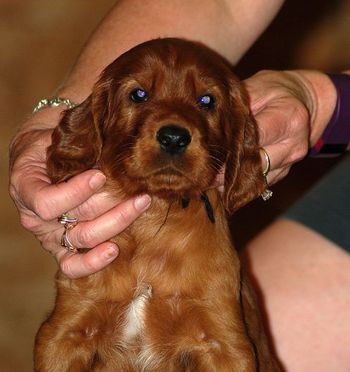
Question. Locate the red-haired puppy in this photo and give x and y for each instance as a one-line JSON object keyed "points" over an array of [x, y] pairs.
{"points": [[163, 119]]}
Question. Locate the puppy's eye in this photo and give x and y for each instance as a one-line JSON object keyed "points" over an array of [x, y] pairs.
{"points": [[207, 102], [139, 95]]}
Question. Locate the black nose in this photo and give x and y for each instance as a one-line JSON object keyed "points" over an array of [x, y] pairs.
{"points": [[173, 139]]}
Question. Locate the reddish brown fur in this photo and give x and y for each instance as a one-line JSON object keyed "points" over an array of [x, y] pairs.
{"points": [[175, 258]]}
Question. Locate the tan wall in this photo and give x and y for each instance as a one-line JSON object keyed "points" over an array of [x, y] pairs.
{"points": [[39, 40]]}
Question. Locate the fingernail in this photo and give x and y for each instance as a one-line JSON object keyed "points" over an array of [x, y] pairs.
{"points": [[142, 202], [111, 253], [97, 181]]}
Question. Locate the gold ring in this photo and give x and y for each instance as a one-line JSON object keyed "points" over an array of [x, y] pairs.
{"points": [[267, 193], [268, 162]]}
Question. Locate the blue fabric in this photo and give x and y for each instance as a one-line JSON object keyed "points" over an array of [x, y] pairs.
{"points": [[325, 208]]}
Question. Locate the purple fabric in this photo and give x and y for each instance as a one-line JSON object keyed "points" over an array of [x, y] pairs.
{"points": [[337, 133]]}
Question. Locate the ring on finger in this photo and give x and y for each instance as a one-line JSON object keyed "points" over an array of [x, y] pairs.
{"points": [[68, 223], [66, 243], [268, 162], [267, 193]]}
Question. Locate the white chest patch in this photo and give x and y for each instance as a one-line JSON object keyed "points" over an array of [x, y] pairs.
{"points": [[135, 314]]}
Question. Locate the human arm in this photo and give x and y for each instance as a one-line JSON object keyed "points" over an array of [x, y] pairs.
{"points": [[230, 27]]}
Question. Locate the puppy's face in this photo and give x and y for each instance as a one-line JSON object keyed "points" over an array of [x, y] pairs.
{"points": [[164, 118]]}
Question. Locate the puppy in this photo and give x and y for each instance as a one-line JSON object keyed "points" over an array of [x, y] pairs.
{"points": [[163, 119]]}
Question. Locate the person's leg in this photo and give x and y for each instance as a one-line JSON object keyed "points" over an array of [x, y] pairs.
{"points": [[304, 280]]}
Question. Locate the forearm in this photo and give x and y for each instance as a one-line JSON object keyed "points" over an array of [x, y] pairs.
{"points": [[230, 27]]}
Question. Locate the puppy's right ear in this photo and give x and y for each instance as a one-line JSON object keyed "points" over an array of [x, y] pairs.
{"points": [[76, 141]]}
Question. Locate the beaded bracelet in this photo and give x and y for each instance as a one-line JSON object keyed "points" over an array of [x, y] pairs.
{"points": [[53, 102], [336, 136]]}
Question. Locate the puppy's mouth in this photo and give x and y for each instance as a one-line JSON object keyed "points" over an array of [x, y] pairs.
{"points": [[168, 171], [170, 182]]}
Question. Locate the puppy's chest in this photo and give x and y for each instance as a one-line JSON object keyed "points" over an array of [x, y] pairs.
{"points": [[162, 278], [149, 320], [135, 313], [168, 267]]}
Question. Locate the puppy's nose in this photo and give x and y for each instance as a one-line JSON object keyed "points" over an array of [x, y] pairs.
{"points": [[173, 139]]}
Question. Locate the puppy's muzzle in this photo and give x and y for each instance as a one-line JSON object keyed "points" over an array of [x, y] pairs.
{"points": [[173, 139]]}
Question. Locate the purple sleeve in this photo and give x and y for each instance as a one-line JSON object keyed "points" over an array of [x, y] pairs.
{"points": [[336, 136]]}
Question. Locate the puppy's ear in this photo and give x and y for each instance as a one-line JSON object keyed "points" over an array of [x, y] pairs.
{"points": [[76, 141], [243, 176]]}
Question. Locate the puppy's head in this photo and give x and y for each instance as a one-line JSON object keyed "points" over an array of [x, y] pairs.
{"points": [[163, 119]]}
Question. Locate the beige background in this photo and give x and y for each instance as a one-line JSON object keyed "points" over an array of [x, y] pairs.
{"points": [[39, 40]]}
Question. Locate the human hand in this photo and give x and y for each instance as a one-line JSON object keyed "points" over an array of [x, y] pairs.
{"points": [[292, 109], [40, 204], [282, 107]]}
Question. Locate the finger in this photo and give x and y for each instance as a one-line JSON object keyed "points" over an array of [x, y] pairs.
{"points": [[83, 264], [92, 233], [98, 204], [272, 126], [285, 153], [274, 155], [50, 201], [274, 164], [278, 174]]}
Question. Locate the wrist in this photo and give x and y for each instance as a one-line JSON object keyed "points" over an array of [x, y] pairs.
{"points": [[33, 130], [27, 143], [321, 98], [54, 102], [46, 118]]}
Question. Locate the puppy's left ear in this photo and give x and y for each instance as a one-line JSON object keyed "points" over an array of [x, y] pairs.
{"points": [[244, 180]]}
